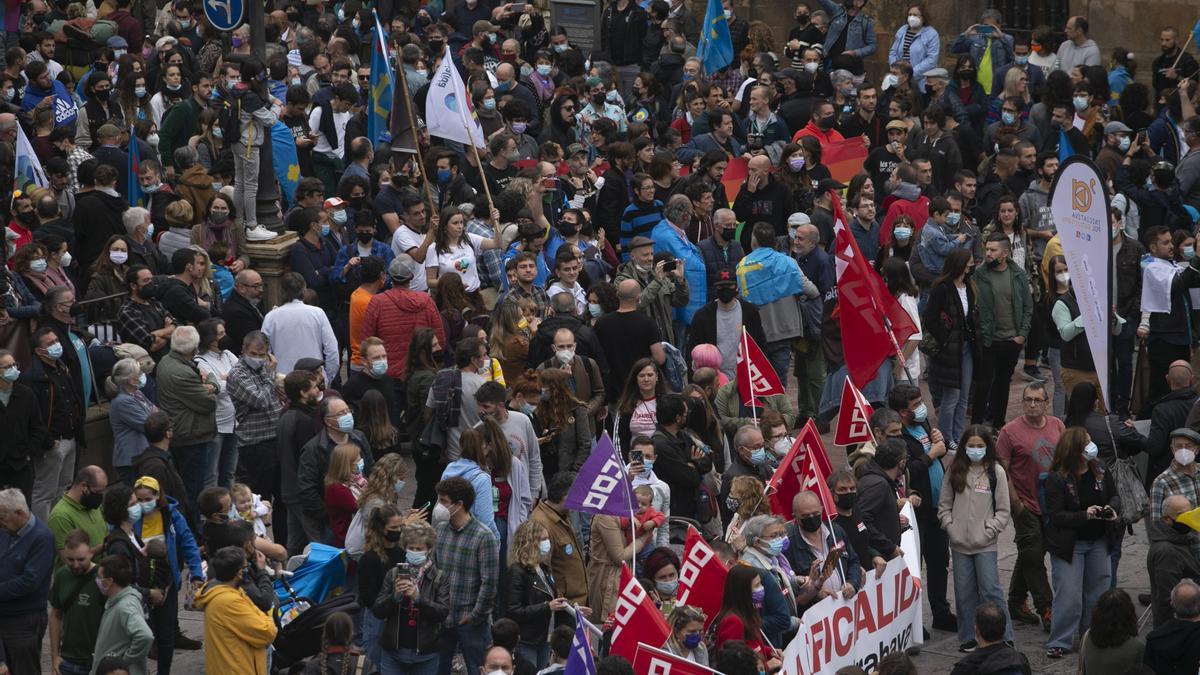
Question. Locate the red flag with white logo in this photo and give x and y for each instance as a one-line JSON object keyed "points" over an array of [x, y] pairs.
{"points": [[755, 375], [793, 474], [865, 307], [635, 618], [701, 577], [651, 661], [854, 417]]}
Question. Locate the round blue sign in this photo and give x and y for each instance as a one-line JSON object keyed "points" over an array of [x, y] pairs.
{"points": [[225, 14]]}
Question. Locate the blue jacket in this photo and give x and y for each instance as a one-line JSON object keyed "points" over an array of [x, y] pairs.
{"points": [[26, 561], [378, 250], [923, 54], [935, 245], [776, 617], [180, 542], [702, 144], [315, 264], [667, 239], [1002, 53], [1164, 137], [860, 34], [1037, 79], [543, 271], [482, 509]]}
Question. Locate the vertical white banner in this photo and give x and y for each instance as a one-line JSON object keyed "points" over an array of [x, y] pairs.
{"points": [[1080, 209]]}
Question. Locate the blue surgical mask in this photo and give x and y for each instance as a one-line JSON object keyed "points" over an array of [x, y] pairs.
{"points": [[1008, 119], [135, 512], [692, 640], [544, 547], [150, 227], [648, 465], [1124, 143], [325, 230], [543, 69], [1022, 60], [340, 217], [55, 351], [443, 175], [141, 381], [38, 265], [399, 486], [147, 507], [359, 466], [1189, 252], [667, 589], [1090, 451], [12, 374], [139, 91], [560, 48], [594, 309], [489, 104], [902, 233], [953, 218], [346, 423], [920, 413], [775, 546], [757, 457], [975, 453], [417, 558], [379, 368]]}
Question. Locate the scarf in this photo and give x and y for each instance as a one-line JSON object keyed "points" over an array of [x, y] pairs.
{"points": [[43, 281], [544, 86], [907, 191], [220, 233]]}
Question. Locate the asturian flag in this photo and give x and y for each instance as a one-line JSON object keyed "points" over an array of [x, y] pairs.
{"points": [[29, 168], [381, 88]]}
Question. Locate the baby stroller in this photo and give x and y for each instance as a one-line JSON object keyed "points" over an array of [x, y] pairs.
{"points": [[309, 591]]}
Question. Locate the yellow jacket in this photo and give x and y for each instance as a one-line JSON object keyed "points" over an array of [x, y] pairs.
{"points": [[236, 633]]}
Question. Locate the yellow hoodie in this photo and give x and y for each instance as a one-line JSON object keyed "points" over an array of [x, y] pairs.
{"points": [[236, 633]]}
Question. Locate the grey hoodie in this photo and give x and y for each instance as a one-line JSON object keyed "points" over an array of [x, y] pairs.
{"points": [[1035, 213]]}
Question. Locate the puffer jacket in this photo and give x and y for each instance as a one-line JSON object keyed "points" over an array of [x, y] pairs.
{"points": [[974, 518], [393, 316], [182, 395], [433, 602]]}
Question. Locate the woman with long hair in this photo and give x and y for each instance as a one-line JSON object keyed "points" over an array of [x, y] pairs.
{"points": [[376, 424], [255, 119], [509, 341], [602, 299], [340, 500], [471, 466], [973, 510], [173, 89], [532, 600], [209, 140], [208, 294], [382, 551], [135, 97], [738, 618], [510, 483], [970, 93], [1058, 285], [686, 639], [1016, 85], [900, 284], [218, 227], [457, 306], [337, 655], [608, 552], [420, 368], [107, 280], [456, 250], [702, 423], [690, 107], [1007, 220], [949, 319], [566, 421], [217, 362], [746, 499], [793, 170], [58, 260], [1081, 524], [31, 262], [902, 243], [413, 602], [1112, 644], [638, 402]]}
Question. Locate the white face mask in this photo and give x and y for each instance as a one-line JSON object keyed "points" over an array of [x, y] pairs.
{"points": [[565, 355], [441, 514], [914, 22], [1063, 278], [1185, 456]]}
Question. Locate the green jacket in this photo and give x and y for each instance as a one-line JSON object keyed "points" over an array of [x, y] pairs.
{"points": [[124, 632], [179, 124], [1022, 303], [182, 395], [729, 408], [659, 296]]}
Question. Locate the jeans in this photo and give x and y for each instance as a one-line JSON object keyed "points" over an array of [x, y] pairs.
{"points": [[164, 623], [626, 75], [1054, 359], [538, 655], [472, 638], [74, 668], [192, 463], [876, 390], [372, 628], [779, 353], [1029, 577], [952, 412], [1078, 583], [21, 636], [52, 475], [407, 662], [245, 193], [809, 369], [996, 363], [976, 580], [222, 460], [680, 329]]}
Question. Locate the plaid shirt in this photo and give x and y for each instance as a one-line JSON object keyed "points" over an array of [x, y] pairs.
{"points": [[78, 156], [1173, 482], [133, 322], [730, 79], [491, 262], [469, 556], [536, 293], [254, 399]]}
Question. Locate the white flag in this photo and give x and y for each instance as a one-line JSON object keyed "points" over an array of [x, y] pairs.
{"points": [[448, 110], [29, 168]]}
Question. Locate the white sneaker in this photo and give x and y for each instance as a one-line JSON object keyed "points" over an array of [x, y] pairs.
{"points": [[260, 233]]}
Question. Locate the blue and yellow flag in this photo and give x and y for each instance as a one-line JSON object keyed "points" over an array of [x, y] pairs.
{"points": [[716, 47], [381, 89], [285, 162], [29, 168], [136, 196]]}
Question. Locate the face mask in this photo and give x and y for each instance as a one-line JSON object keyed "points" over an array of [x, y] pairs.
{"points": [[437, 45], [1080, 103], [692, 640], [151, 189], [796, 163], [1185, 456], [811, 523], [920, 413], [379, 368], [346, 422], [732, 503], [775, 546], [139, 92], [514, 156], [519, 127], [103, 585], [1090, 451], [1189, 252], [757, 596], [1115, 231], [364, 238], [141, 381], [486, 368], [392, 536], [726, 294], [845, 502], [544, 547], [489, 104], [340, 217], [325, 230], [443, 175], [1181, 528], [441, 514], [890, 81], [118, 257], [1008, 119], [91, 500], [147, 507], [614, 96], [565, 355], [758, 457], [953, 218], [594, 309], [38, 265], [359, 466], [1124, 143], [1022, 60], [1063, 278], [975, 453], [12, 374], [811, 67], [914, 22], [55, 351], [296, 81], [135, 512], [543, 69], [417, 558], [65, 260], [782, 446], [253, 362], [667, 588], [528, 409], [100, 95], [902, 233]]}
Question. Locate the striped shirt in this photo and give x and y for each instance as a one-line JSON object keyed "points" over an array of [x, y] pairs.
{"points": [[909, 36]]}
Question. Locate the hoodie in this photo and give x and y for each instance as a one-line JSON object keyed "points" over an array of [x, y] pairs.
{"points": [[124, 632], [236, 633], [196, 186], [997, 658], [1173, 648], [1035, 214], [482, 510], [1168, 560]]}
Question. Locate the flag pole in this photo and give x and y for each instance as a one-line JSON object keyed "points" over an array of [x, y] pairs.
{"points": [[483, 179], [749, 380], [412, 124]]}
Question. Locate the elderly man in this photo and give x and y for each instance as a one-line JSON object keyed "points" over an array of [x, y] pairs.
{"points": [[1174, 647], [812, 539], [762, 198], [26, 561], [1180, 477], [721, 252], [191, 401], [1170, 557], [749, 458], [242, 312], [142, 249], [662, 290], [669, 236]]}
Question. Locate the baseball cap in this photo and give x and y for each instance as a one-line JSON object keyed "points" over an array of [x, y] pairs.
{"points": [[897, 124], [938, 72], [483, 26], [334, 203], [403, 268], [576, 149]]}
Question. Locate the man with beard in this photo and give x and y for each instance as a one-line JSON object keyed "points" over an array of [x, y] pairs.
{"points": [[1170, 67], [76, 603], [79, 509]]}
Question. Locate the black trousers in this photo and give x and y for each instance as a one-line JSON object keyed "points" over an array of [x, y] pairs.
{"points": [[1161, 355], [258, 467], [935, 549], [21, 635], [993, 375]]}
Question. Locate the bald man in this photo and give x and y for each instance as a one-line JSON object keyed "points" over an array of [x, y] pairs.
{"points": [[1172, 411], [762, 198], [811, 541], [497, 660], [242, 312], [626, 335], [1174, 647], [1170, 557], [8, 127]]}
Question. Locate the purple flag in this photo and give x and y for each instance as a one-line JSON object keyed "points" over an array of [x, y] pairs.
{"points": [[602, 486], [580, 662]]}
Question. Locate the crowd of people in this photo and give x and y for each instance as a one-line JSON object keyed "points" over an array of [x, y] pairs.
{"points": [[454, 330]]}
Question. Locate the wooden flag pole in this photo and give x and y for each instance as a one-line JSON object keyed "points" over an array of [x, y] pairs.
{"points": [[412, 123], [482, 178]]}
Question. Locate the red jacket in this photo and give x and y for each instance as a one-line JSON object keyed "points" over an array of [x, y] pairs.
{"points": [[732, 628], [918, 211], [392, 316], [825, 137], [128, 27], [341, 506]]}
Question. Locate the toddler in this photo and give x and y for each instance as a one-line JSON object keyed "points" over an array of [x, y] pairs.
{"points": [[647, 517], [252, 509]]}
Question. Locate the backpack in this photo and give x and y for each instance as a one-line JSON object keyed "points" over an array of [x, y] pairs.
{"points": [[229, 114]]}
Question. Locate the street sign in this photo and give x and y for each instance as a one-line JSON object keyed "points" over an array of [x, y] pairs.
{"points": [[225, 14]]}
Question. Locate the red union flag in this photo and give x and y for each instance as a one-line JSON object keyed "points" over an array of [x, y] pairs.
{"points": [[755, 375], [651, 661], [635, 618], [794, 474], [702, 577], [854, 417], [864, 304]]}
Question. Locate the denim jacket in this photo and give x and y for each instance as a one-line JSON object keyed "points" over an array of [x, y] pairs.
{"points": [[923, 54], [860, 35], [1002, 52]]}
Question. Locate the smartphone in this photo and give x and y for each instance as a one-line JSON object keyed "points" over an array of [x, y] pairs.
{"points": [[403, 570], [518, 7], [1142, 136], [984, 30], [636, 455], [670, 265]]}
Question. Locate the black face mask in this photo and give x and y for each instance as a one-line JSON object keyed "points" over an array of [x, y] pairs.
{"points": [[802, 19], [392, 535], [598, 101], [437, 45], [91, 500], [726, 294], [365, 237], [810, 524], [567, 228], [27, 217], [845, 502], [1181, 528], [101, 95], [728, 233], [825, 122]]}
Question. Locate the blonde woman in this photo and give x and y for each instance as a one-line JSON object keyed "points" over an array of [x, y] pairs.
{"points": [[340, 503], [207, 293], [745, 501], [687, 634], [510, 339], [533, 600]]}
